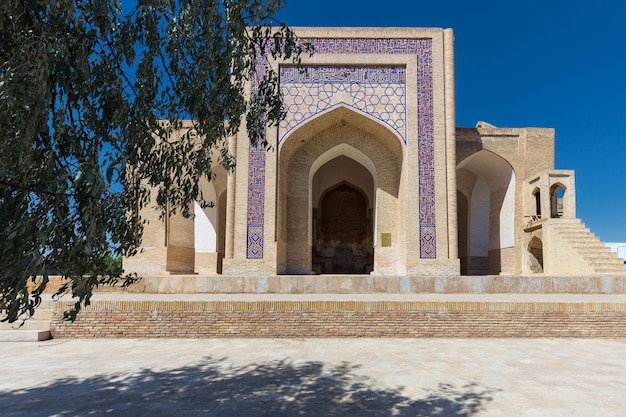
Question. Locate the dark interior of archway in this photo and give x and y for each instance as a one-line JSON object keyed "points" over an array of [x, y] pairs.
{"points": [[535, 249], [538, 203], [342, 233], [462, 231]]}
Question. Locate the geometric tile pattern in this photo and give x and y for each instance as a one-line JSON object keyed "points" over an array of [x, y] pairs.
{"points": [[422, 49], [256, 202], [256, 183], [426, 146], [377, 91]]}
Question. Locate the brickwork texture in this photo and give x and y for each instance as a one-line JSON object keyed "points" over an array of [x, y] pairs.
{"points": [[137, 319]]}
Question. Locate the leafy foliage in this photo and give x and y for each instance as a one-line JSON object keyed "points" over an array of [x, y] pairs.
{"points": [[89, 99]]}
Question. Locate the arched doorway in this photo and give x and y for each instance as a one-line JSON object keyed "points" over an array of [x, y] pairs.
{"points": [[557, 192], [487, 212], [343, 231]]}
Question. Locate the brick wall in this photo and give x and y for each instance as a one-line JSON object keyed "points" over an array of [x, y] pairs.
{"points": [[342, 319]]}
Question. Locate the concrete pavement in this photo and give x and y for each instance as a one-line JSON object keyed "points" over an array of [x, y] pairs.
{"points": [[314, 377]]}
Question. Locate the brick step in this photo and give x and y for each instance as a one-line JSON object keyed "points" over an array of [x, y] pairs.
{"points": [[583, 242], [601, 256], [613, 263], [572, 228], [591, 248], [24, 335], [29, 324], [608, 269], [580, 235], [606, 262], [591, 253], [610, 272], [41, 313], [597, 256], [32, 329], [562, 221], [618, 269], [583, 239]]}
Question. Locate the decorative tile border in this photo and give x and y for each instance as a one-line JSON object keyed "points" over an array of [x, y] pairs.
{"points": [[256, 185], [426, 145], [364, 46], [422, 48]]}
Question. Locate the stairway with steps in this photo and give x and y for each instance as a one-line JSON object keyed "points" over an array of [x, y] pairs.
{"points": [[33, 329], [594, 257]]}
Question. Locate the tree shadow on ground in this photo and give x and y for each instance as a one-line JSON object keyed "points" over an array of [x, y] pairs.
{"points": [[216, 388]]}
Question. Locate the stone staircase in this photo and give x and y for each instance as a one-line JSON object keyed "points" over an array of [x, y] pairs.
{"points": [[34, 329], [596, 257]]}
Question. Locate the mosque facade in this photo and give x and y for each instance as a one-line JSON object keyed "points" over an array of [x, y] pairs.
{"points": [[370, 176]]}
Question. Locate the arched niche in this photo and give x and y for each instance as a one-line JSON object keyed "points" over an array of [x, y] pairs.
{"points": [[345, 137], [537, 196], [210, 224], [488, 183], [535, 255]]}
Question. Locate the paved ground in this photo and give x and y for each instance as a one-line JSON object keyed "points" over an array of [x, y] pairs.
{"points": [[314, 377]]}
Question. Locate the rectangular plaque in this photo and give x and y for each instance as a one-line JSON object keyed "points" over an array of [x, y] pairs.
{"points": [[385, 240]]}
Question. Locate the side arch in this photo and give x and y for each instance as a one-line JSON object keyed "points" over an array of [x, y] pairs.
{"points": [[488, 182], [209, 225]]}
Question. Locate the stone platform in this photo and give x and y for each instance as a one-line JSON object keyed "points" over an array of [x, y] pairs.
{"points": [[372, 284], [345, 315], [196, 306]]}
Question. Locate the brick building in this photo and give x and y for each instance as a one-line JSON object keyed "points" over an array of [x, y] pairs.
{"points": [[371, 176]]}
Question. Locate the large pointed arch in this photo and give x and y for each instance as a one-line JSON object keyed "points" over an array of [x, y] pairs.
{"points": [[488, 181], [341, 132]]}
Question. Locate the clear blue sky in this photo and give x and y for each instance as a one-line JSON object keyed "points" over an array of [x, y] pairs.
{"points": [[550, 63]]}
